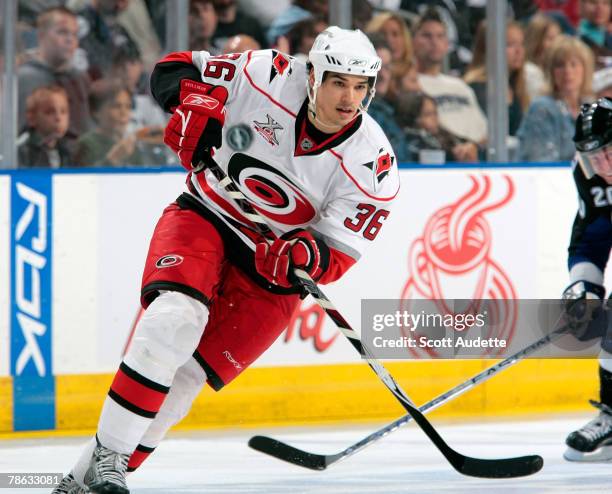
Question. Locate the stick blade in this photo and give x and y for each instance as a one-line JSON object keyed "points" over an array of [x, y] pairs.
{"points": [[502, 468], [288, 453]]}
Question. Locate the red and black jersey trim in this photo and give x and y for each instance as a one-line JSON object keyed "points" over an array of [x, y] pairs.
{"points": [[213, 378], [140, 454], [317, 141], [136, 393], [237, 252], [166, 81]]}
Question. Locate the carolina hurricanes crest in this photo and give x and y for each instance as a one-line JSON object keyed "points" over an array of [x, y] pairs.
{"points": [[381, 167], [455, 251], [272, 193]]}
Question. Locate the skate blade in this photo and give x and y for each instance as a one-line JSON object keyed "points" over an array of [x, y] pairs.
{"points": [[603, 454], [107, 488]]}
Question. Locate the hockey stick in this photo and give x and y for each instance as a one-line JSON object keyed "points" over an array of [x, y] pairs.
{"points": [[315, 461], [475, 467]]}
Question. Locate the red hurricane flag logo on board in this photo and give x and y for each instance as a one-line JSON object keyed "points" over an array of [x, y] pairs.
{"points": [[455, 251]]}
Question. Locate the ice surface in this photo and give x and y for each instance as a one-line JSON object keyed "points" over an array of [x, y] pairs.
{"points": [[403, 462]]}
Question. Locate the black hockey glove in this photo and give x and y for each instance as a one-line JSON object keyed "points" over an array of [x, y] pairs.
{"points": [[583, 306]]}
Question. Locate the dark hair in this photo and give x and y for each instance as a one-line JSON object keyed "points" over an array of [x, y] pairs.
{"points": [[409, 106], [431, 14], [378, 40], [302, 29], [104, 91]]}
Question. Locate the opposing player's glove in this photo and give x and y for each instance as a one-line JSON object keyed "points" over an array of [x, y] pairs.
{"points": [[195, 126], [295, 249], [583, 306]]}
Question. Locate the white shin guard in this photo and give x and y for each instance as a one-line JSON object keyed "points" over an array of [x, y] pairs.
{"points": [[166, 336], [165, 339]]}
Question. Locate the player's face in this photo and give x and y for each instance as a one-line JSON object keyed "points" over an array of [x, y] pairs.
{"points": [[338, 99], [601, 162], [50, 119]]}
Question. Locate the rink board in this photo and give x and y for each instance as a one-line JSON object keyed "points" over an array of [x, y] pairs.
{"points": [[78, 294]]}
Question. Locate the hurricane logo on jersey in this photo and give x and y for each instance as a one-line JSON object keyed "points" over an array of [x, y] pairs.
{"points": [[380, 167], [169, 260], [280, 63], [273, 194]]}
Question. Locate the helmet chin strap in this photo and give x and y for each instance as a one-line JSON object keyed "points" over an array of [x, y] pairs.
{"points": [[312, 107]]}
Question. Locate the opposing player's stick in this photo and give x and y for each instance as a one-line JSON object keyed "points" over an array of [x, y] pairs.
{"points": [[314, 461], [475, 467]]}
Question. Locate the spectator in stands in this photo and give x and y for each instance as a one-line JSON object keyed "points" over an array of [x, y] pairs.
{"points": [[593, 26], [52, 65], [458, 108], [147, 119], [461, 18], [138, 23], [476, 75], [232, 21], [301, 36], [262, 11], [240, 43], [569, 9], [202, 25], [410, 80], [546, 131], [109, 144], [362, 12], [417, 114], [380, 109], [299, 10], [102, 35], [395, 31], [602, 83], [540, 33], [43, 143], [404, 79]]}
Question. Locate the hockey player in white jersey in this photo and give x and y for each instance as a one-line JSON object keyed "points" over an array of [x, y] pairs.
{"points": [[589, 251], [297, 141]]}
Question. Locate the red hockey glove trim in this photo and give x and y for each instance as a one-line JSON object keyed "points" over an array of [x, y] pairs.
{"points": [[195, 126], [295, 249]]}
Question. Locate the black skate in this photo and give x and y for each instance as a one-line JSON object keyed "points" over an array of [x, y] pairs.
{"points": [[106, 472], [69, 486], [593, 442]]}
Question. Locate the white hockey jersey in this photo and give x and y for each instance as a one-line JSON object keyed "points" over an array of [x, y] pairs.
{"points": [[340, 188]]}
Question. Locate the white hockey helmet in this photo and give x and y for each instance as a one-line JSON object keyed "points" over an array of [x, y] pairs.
{"points": [[344, 51]]}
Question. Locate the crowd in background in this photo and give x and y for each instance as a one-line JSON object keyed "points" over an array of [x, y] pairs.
{"points": [[83, 68]]}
